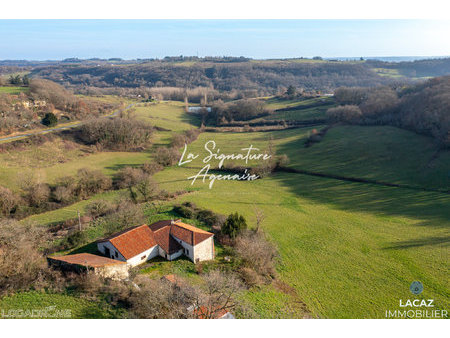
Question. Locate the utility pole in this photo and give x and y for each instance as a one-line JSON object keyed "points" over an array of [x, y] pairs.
{"points": [[79, 219]]}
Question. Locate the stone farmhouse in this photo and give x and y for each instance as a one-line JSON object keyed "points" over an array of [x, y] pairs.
{"points": [[168, 239]]}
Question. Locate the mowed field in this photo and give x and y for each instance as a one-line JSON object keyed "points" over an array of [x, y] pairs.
{"points": [[349, 250]]}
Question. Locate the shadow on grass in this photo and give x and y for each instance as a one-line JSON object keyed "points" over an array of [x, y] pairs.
{"points": [[431, 208], [88, 248], [443, 241]]}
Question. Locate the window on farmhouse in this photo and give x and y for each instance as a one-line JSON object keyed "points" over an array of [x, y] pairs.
{"points": [[116, 254]]}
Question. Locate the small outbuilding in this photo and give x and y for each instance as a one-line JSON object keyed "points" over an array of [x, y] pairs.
{"points": [[83, 262]]}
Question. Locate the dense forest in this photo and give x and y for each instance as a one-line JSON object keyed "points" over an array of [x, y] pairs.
{"points": [[227, 74]]}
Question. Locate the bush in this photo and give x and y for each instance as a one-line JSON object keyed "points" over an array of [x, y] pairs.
{"points": [[184, 211], [234, 225], [125, 215], [250, 277], [91, 182], [50, 120], [8, 201], [37, 194], [348, 113], [167, 156], [208, 217], [256, 253], [99, 208], [152, 168], [115, 133], [74, 240], [127, 177], [22, 264]]}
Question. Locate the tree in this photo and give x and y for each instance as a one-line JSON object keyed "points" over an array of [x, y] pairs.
{"points": [[147, 187], [21, 262], [8, 201], [167, 156], [25, 80], [234, 225], [217, 295], [291, 91], [50, 120], [15, 79], [348, 113], [259, 217]]}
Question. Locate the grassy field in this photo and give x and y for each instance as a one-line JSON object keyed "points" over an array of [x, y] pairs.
{"points": [[55, 306], [12, 90], [383, 153], [277, 103], [345, 258], [349, 250]]}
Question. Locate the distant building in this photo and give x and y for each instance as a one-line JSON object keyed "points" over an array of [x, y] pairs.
{"points": [[168, 239], [198, 110]]}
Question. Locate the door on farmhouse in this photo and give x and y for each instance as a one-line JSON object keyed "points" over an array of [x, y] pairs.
{"points": [[107, 252]]}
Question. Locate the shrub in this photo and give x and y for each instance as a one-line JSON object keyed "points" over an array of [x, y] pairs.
{"points": [[37, 194], [347, 113], [125, 215], [116, 133], [184, 211], [91, 182], [8, 201], [22, 264], [234, 225], [256, 253], [152, 168], [50, 120], [208, 217], [166, 156], [127, 177], [74, 240], [99, 208], [250, 276]]}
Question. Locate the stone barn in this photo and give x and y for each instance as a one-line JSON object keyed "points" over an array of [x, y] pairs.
{"points": [[83, 262]]}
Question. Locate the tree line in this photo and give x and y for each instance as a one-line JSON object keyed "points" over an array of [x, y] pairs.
{"points": [[423, 107]]}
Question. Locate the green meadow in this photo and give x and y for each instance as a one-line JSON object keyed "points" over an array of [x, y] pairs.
{"points": [[47, 305], [349, 250], [12, 90]]}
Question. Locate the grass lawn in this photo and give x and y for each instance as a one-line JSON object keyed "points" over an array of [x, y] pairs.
{"points": [[167, 114], [12, 90], [56, 306], [278, 103], [381, 153], [300, 114]]}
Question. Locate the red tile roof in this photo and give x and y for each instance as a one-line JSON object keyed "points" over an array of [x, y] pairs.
{"points": [[86, 259], [133, 241], [188, 233], [165, 241], [202, 313]]}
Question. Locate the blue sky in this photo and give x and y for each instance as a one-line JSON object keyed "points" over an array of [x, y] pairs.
{"points": [[59, 39]]}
